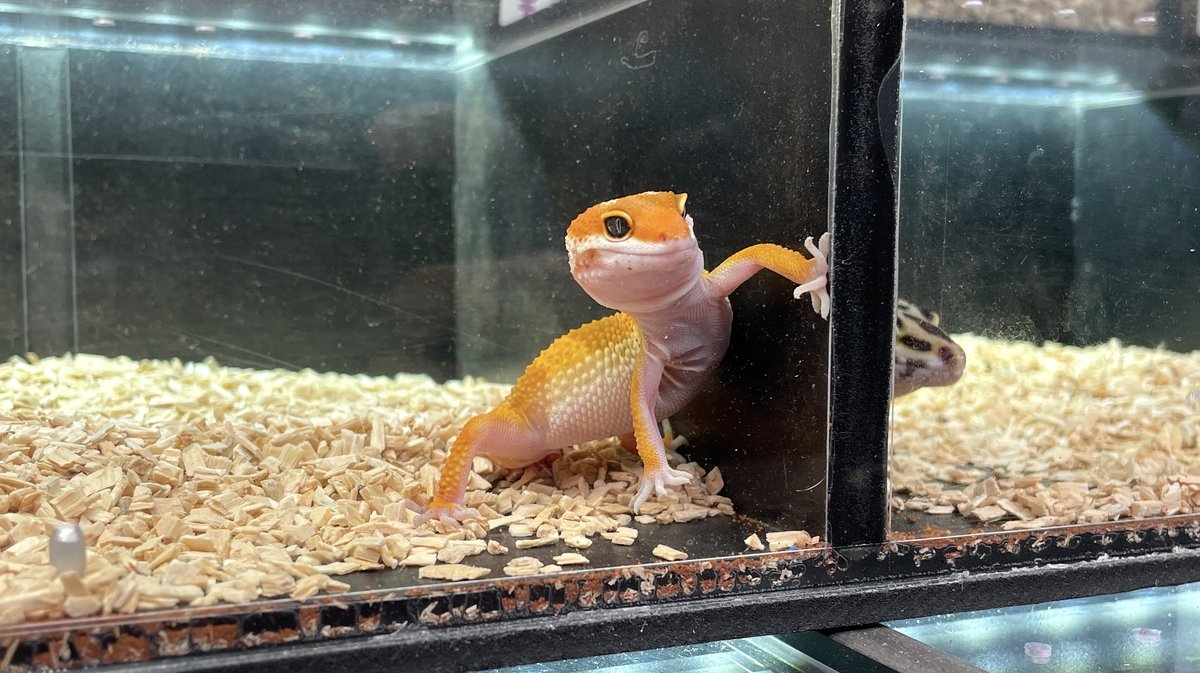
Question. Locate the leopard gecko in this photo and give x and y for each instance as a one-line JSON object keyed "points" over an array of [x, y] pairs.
{"points": [[619, 375], [925, 356]]}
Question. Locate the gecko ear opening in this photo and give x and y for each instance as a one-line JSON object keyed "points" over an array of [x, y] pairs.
{"points": [[680, 199]]}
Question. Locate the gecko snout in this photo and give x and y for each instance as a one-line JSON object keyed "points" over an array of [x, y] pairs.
{"points": [[587, 259]]}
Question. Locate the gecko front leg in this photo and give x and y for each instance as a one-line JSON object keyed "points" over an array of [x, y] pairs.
{"points": [[818, 287], [810, 275], [657, 474]]}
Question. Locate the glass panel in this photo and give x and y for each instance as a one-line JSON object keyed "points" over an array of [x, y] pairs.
{"points": [[749, 655], [1049, 214], [291, 251], [12, 322], [1153, 630]]}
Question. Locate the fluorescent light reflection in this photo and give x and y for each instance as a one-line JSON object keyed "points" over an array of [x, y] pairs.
{"points": [[1025, 85], [1024, 74], [159, 19], [200, 43]]}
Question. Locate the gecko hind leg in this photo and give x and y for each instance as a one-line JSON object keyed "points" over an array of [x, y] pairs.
{"points": [[656, 479], [671, 440], [498, 429]]}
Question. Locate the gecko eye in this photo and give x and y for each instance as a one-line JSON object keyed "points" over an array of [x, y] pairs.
{"points": [[617, 226]]}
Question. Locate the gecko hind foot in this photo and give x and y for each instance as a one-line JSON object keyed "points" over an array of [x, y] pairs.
{"points": [[451, 514], [657, 481]]}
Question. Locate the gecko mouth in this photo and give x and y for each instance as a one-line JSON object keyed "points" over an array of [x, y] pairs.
{"points": [[591, 260], [941, 373], [638, 277]]}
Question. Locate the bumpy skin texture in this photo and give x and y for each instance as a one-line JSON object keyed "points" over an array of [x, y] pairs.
{"points": [[620, 375], [925, 356]]}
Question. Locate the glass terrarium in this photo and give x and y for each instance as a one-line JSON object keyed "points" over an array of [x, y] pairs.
{"points": [[263, 261], [275, 274], [1049, 217]]}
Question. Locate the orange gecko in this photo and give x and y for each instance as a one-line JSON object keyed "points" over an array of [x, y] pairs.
{"points": [[620, 375]]}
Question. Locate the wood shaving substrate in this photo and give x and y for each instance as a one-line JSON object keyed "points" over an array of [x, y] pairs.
{"points": [[1052, 435], [196, 484]]}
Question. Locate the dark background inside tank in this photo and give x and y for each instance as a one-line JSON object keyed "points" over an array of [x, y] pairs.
{"points": [[1026, 216], [667, 96]]}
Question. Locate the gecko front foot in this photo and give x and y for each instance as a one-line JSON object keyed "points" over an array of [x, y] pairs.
{"points": [[817, 287], [657, 481], [449, 513]]}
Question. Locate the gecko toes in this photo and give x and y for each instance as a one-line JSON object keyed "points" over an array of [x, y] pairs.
{"points": [[657, 481], [818, 286], [449, 514]]}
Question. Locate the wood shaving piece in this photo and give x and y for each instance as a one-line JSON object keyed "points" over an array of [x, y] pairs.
{"points": [[549, 569], [522, 565], [536, 542], [1172, 499], [1144, 508], [81, 606], [429, 541], [420, 557], [495, 548], [198, 543], [714, 483], [787, 539], [521, 530], [754, 542], [571, 559], [313, 584], [1014, 509], [73, 585], [662, 551], [453, 572], [456, 551], [493, 524], [989, 513], [622, 536], [577, 541], [685, 513]]}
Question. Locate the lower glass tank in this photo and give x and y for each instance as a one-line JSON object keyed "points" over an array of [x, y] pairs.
{"points": [[1149, 631]]}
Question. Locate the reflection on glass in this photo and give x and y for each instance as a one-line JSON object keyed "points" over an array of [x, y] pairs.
{"points": [[1148, 631], [1049, 214]]}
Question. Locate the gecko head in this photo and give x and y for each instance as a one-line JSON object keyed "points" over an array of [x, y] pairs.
{"points": [[925, 355], [636, 253]]}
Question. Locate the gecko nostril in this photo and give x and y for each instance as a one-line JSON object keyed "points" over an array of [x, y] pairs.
{"points": [[587, 258], [946, 354]]}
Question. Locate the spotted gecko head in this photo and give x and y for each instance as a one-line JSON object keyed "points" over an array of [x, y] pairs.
{"points": [[925, 355], [636, 253]]}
